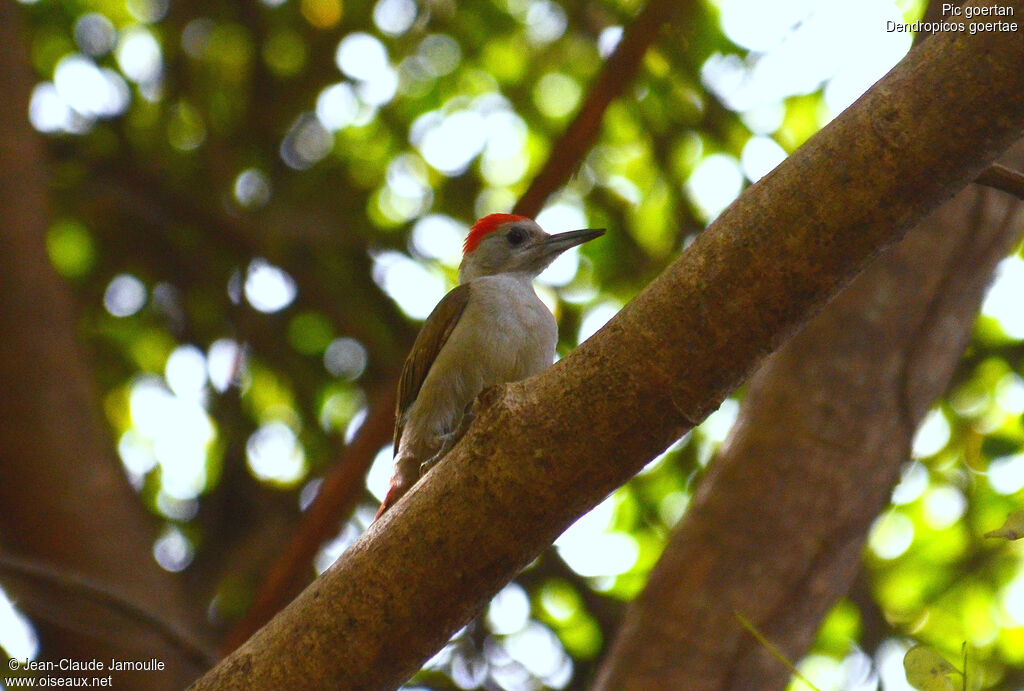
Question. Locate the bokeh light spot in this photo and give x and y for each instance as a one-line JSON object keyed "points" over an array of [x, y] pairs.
{"points": [[891, 534], [17, 636], [179, 431], [185, 128], [337, 106], [912, 484], [173, 551], [538, 649], [48, 112], [252, 188], [591, 549], [557, 94], [268, 288], [1013, 600], [379, 475], [284, 52], [943, 506], [136, 453], [195, 37], [594, 318], [223, 360], [94, 34], [148, 11], [1003, 299], [449, 142], [185, 372], [139, 56], [125, 295], [310, 332], [70, 248], [719, 423], [323, 14], [932, 435], [509, 610], [545, 22], [1006, 474], [415, 289], [306, 143], [608, 40], [564, 215], [760, 155], [89, 90], [714, 184], [345, 358], [275, 455], [437, 236], [361, 56], [394, 17], [441, 53]]}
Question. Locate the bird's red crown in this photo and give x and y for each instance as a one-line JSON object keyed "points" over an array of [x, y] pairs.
{"points": [[485, 226]]}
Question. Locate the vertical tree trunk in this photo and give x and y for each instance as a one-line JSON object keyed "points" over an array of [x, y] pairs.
{"points": [[64, 501]]}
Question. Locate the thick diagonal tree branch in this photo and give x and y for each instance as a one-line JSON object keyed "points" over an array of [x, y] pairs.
{"points": [[777, 528], [545, 450], [826, 424], [337, 496]]}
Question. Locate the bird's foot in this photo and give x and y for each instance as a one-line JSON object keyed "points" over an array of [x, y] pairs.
{"points": [[467, 420], [446, 446], [447, 442]]}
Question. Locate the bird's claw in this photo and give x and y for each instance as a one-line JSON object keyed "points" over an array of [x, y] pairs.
{"points": [[447, 442], [446, 445]]}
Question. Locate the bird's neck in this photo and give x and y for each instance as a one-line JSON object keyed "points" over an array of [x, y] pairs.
{"points": [[468, 272]]}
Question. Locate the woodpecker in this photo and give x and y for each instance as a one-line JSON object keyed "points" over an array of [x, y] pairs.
{"points": [[491, 329]]}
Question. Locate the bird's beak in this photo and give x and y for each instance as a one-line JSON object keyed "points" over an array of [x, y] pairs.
{"points": [[556, 244]]}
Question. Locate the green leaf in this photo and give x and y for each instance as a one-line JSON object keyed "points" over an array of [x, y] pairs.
{"points": [[1012, 528], [927, 670]]}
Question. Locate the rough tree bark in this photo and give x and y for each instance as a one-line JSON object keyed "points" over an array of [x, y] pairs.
{"points": [[65, 502], [777, 527], [818, 444], [334, 502], [544, 451]]}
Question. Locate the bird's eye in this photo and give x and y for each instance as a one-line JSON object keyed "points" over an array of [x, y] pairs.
{"points": [[516, 236]]}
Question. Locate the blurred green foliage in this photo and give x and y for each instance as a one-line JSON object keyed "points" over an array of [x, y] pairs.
{"points": [[256, 166]]}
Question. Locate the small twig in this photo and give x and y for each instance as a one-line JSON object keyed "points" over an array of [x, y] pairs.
{"points": [[771, 648], [963, 649], [85, 589], [1003, 179]]}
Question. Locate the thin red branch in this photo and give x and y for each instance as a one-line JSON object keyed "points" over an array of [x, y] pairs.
{"points": [[619, 70], [335, 501]]}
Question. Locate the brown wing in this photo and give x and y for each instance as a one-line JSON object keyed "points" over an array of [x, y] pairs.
{"points": [[431, 339]]}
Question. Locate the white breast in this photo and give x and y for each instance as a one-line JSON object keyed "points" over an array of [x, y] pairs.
{"points": [[505, 334]]}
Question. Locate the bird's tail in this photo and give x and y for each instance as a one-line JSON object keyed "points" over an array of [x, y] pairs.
{"points": [[390, 498], [400, 484]]}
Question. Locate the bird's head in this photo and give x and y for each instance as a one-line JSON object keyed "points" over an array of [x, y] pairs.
{"points": [[506, 243]]}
